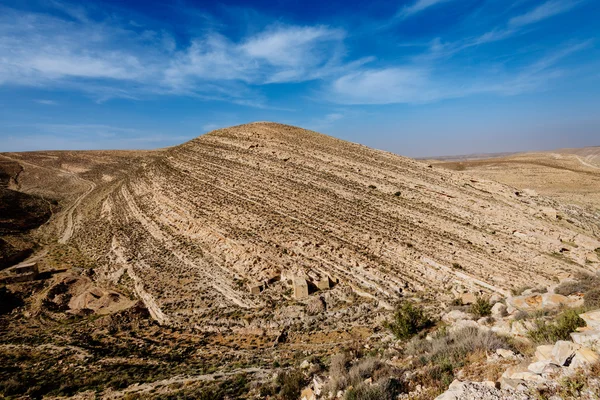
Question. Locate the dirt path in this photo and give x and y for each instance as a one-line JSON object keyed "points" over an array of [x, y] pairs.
{"points": [[69, 227], [67, 214], [587, 164]]}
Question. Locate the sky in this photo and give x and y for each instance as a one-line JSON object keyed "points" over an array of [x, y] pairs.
{"points": [[419, 78]]}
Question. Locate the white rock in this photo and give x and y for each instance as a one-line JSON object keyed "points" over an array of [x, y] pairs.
{"points": [[496, 298], [584, 357], [589, 337], [563, 351], [499, 310], [592, 319], [538, 366], [508, 354], [544, 352], [455, 315]]}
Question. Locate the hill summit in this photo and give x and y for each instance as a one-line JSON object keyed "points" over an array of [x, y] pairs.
{"points": [[255, 216]]}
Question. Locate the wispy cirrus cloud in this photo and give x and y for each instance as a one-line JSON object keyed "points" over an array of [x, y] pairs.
{"points": [[415, 84], [542, 12], [417, 7], [514, 26]]}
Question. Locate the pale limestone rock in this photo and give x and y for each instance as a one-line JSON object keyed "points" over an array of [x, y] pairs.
{"points": [[499, 310], [545, 301], [584, 357], [496, 298], [456, 315], [563, 352], [468, 298], [592, 319], [465, 323], [589, 337], [538, 366], [508, 354], [544, 352], [501, 327]]}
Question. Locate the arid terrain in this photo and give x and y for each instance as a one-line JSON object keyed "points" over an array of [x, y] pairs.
{"points": [[567, 175], [207, 268]]}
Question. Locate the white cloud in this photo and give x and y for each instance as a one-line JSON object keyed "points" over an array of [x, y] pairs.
{"points": [[117, 59], [278, 54], [417, 7], [416, 84], [46, 102], [543, 11]]}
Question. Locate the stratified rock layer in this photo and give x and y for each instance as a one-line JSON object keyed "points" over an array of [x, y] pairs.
{"points": [[193, 228]]}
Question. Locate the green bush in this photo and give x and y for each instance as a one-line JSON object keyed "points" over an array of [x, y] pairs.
{"points": [[481, 308], [409, 320], [550, 332]]}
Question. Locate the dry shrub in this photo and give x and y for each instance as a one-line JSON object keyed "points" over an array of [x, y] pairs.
{"points": [[583, 284], [456, 346], [591, 299]]}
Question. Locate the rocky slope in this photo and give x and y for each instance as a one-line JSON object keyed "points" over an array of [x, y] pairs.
{"points": [[227, 221]]}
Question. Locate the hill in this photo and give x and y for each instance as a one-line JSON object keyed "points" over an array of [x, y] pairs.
{"points": [[203, 223], [231, 257]]}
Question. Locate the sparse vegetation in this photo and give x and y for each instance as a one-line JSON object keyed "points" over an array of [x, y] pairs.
{"points": [[457, 266], [519, 290], [551, 331], [481, 308], [409, 319], [582, 284]]}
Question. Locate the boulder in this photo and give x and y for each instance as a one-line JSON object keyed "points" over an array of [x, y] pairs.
{"points": [[508, 354], [544, 352], [545, 301], [465, 323], [499, 310], [456, 315], [584, 357], [501, 327], [538, 367], [563, 352], [592, 319], [468, 298], [496, 298], [588, 337]]}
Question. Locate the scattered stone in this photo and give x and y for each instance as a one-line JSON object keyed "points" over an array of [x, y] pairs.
{"points": [[545, 301], [479, 391]]}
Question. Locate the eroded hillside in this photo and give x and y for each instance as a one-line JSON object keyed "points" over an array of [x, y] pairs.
{"points": [[227, 221]]}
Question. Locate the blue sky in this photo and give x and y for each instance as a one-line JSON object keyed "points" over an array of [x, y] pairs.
{"points": [[418, 77]]}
